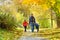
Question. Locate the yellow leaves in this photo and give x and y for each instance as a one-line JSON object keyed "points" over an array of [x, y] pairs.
{"points": [[44, 7], [12, 10], [39, 2], [16, 14], [29, 1], [25, 2], [58, 6], [17, 1], [59, 9], [52, 2]]}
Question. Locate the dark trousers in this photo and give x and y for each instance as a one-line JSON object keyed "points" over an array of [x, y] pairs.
{"points": [[25, 28], [37, 26]]}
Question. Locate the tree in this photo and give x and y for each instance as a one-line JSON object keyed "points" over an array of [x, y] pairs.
{"points": [[56, 9]]}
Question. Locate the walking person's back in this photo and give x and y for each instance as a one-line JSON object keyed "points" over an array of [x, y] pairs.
{"points": [[31, 22]]}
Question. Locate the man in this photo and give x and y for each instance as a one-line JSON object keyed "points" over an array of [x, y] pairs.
{"points": [[31, 22]]}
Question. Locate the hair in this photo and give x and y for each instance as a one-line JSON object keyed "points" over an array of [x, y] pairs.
{"points": [[31, 14]]}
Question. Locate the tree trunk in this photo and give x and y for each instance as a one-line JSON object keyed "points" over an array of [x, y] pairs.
{"points": [[58, 23]]}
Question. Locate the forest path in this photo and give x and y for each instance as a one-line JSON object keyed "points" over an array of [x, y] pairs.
{"points": [[28, 36]]}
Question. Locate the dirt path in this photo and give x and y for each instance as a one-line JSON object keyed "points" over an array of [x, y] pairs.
{"points": [[27, 36]]}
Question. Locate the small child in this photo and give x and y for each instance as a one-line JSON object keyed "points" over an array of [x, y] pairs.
{"points": [[25, 23]]}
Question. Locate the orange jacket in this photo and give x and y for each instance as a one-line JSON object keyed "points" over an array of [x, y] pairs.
{"points": [[25, 23]]}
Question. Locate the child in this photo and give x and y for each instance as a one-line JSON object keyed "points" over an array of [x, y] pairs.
{"points": [[25, 23]]}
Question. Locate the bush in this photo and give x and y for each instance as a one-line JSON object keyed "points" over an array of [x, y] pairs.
{"points": [[7, 21]]}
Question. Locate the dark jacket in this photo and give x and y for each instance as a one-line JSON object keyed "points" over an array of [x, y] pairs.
{"points": [[32, 19], [37, 25]]}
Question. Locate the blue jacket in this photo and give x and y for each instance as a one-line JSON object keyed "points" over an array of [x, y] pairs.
{"points": [[32, 19]]}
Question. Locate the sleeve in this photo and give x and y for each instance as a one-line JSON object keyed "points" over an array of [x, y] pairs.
{"points": [[27, 23], [34, 19], [29, 20]]}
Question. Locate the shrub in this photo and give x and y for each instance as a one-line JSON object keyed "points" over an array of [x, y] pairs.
{"points": [[7, 21]]}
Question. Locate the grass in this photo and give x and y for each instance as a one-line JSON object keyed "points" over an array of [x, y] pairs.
{"points": [[51, 34], [8, 24], [10, 35]]}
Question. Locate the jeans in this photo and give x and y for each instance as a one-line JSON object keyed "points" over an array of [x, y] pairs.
{"points": [[32, 26]]}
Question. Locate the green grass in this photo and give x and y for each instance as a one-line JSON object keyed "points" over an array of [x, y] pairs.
{"points": [[10, 35], [8, 25], [51, 34]]}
